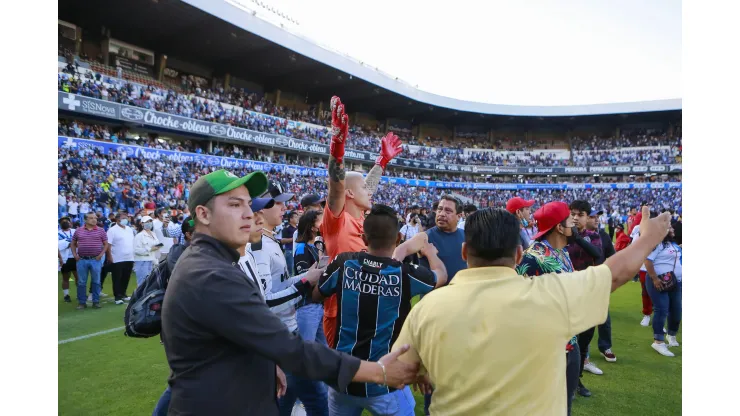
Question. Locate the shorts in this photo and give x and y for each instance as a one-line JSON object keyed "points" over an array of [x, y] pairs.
{"points": [[70, 265]]}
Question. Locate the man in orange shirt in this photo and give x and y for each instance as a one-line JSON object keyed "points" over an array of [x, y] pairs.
{"points": [[349, 197]]}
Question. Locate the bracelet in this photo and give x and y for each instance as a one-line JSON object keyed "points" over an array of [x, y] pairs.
{"points": [[382, 366]]}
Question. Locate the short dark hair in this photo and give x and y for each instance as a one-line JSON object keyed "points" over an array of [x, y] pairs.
{"points": [[305, 234], [458, 207], [381, 226], [580, 205], [187, 227], [492, 234], [91, 213], [469, 208], [292, 214]]}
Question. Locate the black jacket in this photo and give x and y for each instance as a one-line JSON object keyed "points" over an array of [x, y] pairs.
{"points": [[607, 246], [222, 341]]}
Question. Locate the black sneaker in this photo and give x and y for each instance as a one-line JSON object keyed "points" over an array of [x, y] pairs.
{"points": [[96, 306], [583, 391], [81, 306], [67, 299]]}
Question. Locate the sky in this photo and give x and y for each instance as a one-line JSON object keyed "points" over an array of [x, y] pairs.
{"points": [[525, 52]]}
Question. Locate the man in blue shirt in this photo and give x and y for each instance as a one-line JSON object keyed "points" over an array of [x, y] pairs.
{"points": [[447, 237], [374, 294]]}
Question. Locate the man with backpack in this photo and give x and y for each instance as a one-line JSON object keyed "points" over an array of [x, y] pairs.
{"points": [[221, 339]]}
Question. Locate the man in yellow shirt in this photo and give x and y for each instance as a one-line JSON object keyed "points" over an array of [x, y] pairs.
{"points": [[492, 341]]}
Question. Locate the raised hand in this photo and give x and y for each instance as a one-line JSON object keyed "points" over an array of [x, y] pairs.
{"points": [[339, 129], [390, 147], [654, 229]]}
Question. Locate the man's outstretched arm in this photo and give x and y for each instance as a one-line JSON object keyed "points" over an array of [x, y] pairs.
{"points": [[339, 132], [390, 147]]}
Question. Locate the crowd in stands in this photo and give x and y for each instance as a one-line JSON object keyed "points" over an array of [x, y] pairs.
{"points": [[636, 138], [107, 182], [76, 128], [228, 107]]}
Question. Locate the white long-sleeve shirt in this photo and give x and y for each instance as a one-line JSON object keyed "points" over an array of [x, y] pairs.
{"points": [[143, 243], [282, 292]]}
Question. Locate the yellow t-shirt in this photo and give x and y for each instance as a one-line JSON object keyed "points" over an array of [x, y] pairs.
{"points": [[492, 341]]}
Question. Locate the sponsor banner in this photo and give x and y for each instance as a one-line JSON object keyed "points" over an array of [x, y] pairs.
{"points": [[92, 106], [87, 105], [231, 163]]}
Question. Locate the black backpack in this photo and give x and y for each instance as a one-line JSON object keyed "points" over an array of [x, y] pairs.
{"points": [[143, 317]]}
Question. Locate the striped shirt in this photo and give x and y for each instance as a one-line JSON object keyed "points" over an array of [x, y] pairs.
{"points": [[90, 243], [373, 297]]}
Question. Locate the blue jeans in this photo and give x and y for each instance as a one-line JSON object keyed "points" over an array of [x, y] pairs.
{"points": [[398, 403], [91, 267], [665, 305], [311, 322], [289, 261], [311, 393], [142, 270], [163, 404]]}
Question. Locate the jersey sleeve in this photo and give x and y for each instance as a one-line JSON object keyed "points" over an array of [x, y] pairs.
{"points": [[331, 223], [421, 279], [332, 277], [302, 260]]}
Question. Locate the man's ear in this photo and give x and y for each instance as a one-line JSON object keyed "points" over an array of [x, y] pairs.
{"points": [[203, 214], [398, 239], [464, 251], [349, 194]]}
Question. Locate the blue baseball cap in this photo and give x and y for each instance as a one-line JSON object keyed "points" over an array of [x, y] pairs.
{"points": [[258, 204], [595, 212]]}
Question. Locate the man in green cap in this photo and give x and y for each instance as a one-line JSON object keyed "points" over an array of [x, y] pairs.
{"points": [[221, 340]]}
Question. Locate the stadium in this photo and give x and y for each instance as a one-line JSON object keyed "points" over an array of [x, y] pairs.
{"points": [[146, 110]]}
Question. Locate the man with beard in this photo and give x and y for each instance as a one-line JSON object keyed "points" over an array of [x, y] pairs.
{"points": [[349, 198], [69, 264]]}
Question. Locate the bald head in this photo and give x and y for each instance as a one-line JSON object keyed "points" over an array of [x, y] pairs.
{"points": [[356, 190]]}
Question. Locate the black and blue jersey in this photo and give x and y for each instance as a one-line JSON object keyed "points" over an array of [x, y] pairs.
{"points": [[373, 299]]}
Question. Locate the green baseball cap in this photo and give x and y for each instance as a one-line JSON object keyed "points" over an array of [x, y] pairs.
{"points": [[222, 181]]}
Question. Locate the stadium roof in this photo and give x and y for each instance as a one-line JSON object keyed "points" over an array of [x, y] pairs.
{"points": [[267, 55]]}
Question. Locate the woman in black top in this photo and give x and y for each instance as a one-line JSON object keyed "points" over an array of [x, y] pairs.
{"points": [[308, 245]]}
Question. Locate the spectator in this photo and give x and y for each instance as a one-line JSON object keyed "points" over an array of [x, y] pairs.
{"points": [[121, 256], [665, 259], [89, 244], [146, 246]]}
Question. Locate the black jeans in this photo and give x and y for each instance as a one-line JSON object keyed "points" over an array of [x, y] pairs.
{"points": [[584, 338], [605, 334], [121, 272], [572, 363]]}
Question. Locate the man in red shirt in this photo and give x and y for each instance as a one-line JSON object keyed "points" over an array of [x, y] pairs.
{"points": [[349, 197], [89, 243]]}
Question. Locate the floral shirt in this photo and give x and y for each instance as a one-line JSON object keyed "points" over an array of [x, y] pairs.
{"points": [[541, 258]]}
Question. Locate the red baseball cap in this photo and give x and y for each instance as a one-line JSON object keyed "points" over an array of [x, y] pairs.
{"points": [[550, 215], [515, 204]]}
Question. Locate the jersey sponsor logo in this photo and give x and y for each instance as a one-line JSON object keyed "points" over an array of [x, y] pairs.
{"points": [[372, 283], [372, 263]]}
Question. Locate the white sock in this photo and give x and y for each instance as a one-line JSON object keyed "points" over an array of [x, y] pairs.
{"points": [[66, 292]]}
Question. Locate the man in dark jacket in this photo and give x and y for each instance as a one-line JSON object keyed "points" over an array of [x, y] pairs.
{"points": [[607, 247], [221, 340]]}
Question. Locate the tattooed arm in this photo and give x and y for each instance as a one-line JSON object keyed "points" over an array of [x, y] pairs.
{"points": [[336, 185], [373, 179]]}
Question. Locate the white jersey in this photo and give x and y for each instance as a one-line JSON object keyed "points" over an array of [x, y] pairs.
{"points": [[65, 240], [249, 266], [282, 292]]}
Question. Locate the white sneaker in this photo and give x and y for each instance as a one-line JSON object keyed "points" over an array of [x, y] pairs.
{"points": [[672, 341], [665, 331], [127, 298], [645, 320], [591, 368], [662, 349], [102, 295], [89, 298], [119, 302]]}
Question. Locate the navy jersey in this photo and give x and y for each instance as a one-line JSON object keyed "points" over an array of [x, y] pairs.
{"points": [[373, 299]]}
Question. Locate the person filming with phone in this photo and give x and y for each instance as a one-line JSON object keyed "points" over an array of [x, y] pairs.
{"points": [[413, 227]]}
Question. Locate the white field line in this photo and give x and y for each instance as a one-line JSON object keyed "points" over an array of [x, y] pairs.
{"points": [[94, 334]]}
